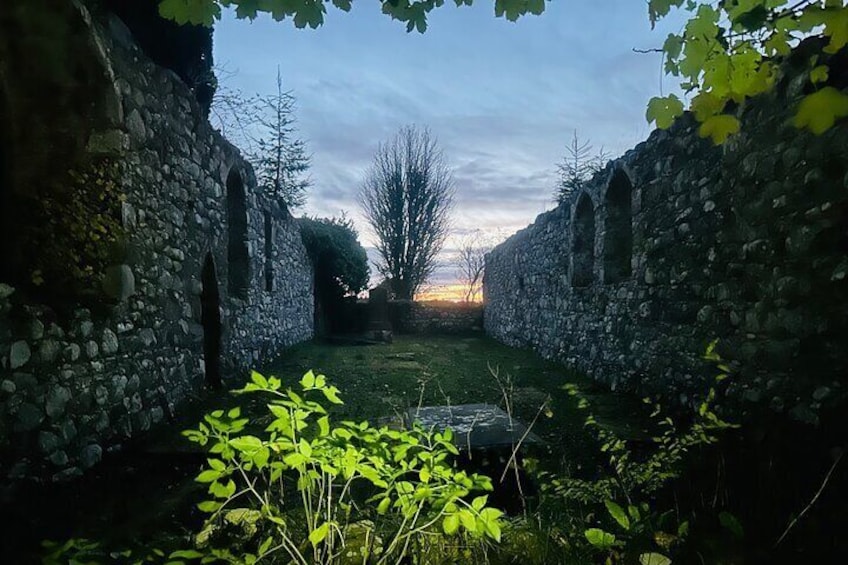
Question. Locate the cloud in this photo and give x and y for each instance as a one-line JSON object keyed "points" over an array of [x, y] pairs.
{"points": [[503, 99]]}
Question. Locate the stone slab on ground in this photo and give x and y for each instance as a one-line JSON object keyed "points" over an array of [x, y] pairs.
{"points": [[475, 426]]}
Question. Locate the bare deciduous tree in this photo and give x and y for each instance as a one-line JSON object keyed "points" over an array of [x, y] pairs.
{"points": [[471, 262], [407, 197]]}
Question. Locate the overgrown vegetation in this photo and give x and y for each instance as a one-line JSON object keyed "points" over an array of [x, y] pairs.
{"points": [[622, 508], [339, 260], [295, 487], [731, 51]]}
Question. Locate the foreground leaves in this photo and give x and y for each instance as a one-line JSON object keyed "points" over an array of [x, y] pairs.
{"points": [[727, 52]]}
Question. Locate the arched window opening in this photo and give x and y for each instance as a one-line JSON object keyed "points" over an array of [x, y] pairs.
{"points": [[210, 319], [238, 259], [618, 236], [269, 252], [6, 231], [583, 243]]}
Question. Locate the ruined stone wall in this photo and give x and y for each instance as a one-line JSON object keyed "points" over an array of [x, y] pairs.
{"points": [[435, 317], [204, 266], [678, 243]]}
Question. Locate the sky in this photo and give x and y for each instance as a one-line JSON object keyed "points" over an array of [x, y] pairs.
{"points": [[502, 98]]}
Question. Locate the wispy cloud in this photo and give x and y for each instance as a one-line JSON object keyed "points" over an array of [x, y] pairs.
{"points": [[502, 98]]}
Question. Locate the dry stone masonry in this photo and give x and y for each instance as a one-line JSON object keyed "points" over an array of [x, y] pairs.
{"points": [[678, 243], [209, 275]]}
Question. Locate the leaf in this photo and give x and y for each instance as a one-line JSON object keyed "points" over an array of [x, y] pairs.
{"points": [[197, 12], [673, 45], [308, 381], [318, 535], [468, 521], [219, 490], [294, 459], [489, 518], [305, 448], [246, 443], [383, 507], [185, 554], [731, 524], [836, 28], [266, 545], [332, 395], [599, 538], [208, 476], [323, 426], [654, 559], [819, 74], [663, 111], [719, 128], [820, 110], [450, 524], [683, 529], [258, 379], [209, 506], [660, 8], [618, 514], [706, 105]]}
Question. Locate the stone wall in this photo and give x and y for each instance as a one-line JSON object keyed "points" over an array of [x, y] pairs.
{"points": [[206, 276], [435, 317], [678, 243]]}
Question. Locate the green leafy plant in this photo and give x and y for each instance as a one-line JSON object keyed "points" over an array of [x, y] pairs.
{"points": [[308, 491], [626, 491], [319, 492], [731, 51], [339, 260]]}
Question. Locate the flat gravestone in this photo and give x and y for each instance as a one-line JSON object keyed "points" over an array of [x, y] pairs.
{"points": [[475, 426]]}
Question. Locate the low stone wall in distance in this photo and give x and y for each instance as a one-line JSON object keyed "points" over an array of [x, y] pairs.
{"points": [[435, 317], [410, 317]]}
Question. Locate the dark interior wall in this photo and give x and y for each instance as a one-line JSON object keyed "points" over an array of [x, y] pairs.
{"points": [[618, 246], [238, 258], [583, 243], [57, 91], [185, 49], [6, 160]]}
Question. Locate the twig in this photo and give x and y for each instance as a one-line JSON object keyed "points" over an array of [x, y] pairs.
{"points": [[812, 502], [512, 458]]}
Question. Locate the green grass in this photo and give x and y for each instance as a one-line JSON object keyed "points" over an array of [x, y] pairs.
{"points": [[150, 488], [378, 381]]}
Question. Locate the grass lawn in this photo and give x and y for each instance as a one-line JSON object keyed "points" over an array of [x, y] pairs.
{"points": [[379, 381], [149, 488]]}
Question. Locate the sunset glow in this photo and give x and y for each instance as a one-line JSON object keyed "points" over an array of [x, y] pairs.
{"points": [[447, 292]]}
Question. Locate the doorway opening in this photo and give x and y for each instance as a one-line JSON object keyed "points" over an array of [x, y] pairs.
{"points": [[210, 318]]}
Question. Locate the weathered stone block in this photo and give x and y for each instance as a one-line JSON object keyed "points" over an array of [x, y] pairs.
{"points": [[19, 354]]}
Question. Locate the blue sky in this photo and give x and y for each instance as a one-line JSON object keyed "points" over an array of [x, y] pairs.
{"points": [[502, 98]]}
